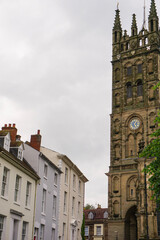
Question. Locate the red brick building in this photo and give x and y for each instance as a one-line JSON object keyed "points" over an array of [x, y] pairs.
{"points": [[96, 224]]}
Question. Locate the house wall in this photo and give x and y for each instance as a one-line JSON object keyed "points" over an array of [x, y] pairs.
{"points": [[7, 203], [72, 223], [37, 161]]}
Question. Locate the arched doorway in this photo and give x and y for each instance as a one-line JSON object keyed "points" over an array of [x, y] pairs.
{"points": [[131, 224]]}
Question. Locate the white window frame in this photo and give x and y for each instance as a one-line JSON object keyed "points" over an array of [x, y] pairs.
{"points": [[65, 202], [54, 206], [66, 175], [28, 194], [56, 178], [79, 187], [86, 231], [2, 226], [79, 209], [25, 230], [17, 189], [98, 230], [42, 229], [74, 181], [45, 171], [5, 182], [44, 192], [73, 206]]}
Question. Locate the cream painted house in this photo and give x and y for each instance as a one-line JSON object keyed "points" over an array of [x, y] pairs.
{"points": [[18, 184], [72, 190]]}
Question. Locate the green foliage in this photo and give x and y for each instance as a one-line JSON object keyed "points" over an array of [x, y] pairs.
{"points": [[153, 169], [83, 228], [89, 206]]}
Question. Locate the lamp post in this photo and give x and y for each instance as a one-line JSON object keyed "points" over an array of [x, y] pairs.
{"points": [[141, 147]]}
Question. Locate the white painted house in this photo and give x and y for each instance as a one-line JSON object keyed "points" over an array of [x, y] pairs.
{"points": [[72, 191], [18, 184]]}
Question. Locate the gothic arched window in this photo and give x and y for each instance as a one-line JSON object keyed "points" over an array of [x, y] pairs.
{"points": [[132, 184], [139, 88], [129, 90]]}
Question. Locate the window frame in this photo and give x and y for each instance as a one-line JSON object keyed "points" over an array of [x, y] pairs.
{"points": [[24, 233], [44, 193], [2, 226], [28, 194], [42, 229], [86, 231], [98, 230], [54, 206], [5, 182], [17, 189]]}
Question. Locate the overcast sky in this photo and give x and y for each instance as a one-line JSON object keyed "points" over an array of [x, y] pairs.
{"points": [[56, 76]]}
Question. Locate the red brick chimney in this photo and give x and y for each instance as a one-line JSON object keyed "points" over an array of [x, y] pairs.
{"points": [[12, 129], [35, 141]]}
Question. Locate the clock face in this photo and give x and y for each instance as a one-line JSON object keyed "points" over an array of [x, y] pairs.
{"points": [[134, 124]]}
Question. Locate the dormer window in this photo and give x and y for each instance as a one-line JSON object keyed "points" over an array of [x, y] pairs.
{"points": [[20, 154], [90, 215]]}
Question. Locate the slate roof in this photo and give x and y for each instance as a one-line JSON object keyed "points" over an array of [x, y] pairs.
{"points": [[97, 213]]}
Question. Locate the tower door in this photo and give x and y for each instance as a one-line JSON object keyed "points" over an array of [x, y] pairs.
{"points": [[131, 224]]}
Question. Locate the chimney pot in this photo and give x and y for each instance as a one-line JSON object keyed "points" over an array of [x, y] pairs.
{"points": [[9, 125], [14, 125], [5, 125], [38, 132]]}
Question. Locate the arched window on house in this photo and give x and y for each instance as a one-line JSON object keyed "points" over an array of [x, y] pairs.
{"points": [[139, 88], [129, 90]]}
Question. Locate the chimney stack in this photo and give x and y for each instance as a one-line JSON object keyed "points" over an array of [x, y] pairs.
{"points": [[12, 130], [35, 141]]}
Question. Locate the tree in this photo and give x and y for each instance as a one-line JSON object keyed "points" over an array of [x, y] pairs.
{"points": [[83, 228], [89, 206], [153, 169]]}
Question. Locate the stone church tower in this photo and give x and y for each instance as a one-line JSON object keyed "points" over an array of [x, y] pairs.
{"points": [[136, 69]]}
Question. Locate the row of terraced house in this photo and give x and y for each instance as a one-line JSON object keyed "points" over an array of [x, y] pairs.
{"points": [[41, 191]]}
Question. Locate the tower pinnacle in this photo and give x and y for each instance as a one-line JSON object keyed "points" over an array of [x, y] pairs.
{"points": [[153, 11], [134, 26], [117, 21]]}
